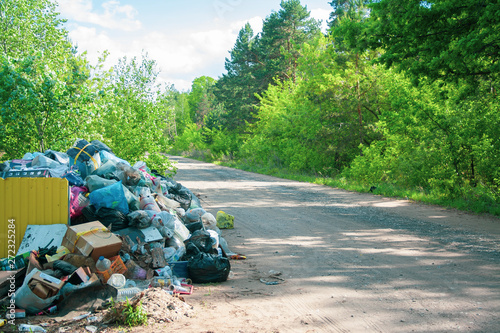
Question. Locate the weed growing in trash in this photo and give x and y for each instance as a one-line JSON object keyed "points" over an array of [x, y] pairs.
{"points": [[209, 292], [135, 315], [127, 313]]}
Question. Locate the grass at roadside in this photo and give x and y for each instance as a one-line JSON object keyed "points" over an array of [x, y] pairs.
{"points": [[473, 201]]}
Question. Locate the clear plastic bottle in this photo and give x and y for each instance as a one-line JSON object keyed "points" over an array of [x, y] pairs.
{"points": [[30, 328], [103, 264], [125, 293]]}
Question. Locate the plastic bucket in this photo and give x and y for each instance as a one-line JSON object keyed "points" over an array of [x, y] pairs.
{"points": [[179, 268]]}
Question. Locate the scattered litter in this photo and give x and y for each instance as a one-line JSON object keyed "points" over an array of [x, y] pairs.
{"points": [[80, 317], [30, 328], [269, 283], [273, 278], [90, 328]]}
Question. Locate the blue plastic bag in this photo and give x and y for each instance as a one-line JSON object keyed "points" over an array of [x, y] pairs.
{"points": [[112, 196], [73, 177]]}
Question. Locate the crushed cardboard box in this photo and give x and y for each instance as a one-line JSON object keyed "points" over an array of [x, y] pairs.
{"points": [[44, 285], [92, 239]]}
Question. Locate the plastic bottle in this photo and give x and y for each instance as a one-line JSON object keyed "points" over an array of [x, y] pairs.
{"points": [[165, 272], [125, 293], [149, 203], [160, 282], [179, 253], [103, 264], [30, 328]]}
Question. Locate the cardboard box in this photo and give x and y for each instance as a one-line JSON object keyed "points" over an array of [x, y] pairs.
{"points": [[81, 275], [44, 285], [92, 239], [40, 290]]}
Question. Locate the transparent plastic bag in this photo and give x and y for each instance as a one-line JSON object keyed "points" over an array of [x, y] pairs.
{"points": [[94, 182]]}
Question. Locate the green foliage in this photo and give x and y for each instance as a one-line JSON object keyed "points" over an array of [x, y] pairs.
{"points": [[40, 108], [317, 122], [131, 113], [160, 163], [201, 98], [134, 315], [44, 94], [437, 40], [222, 142], [30, 27], [236, 90], [444, 148], [349, 9], [190, 139], [256, 61]]}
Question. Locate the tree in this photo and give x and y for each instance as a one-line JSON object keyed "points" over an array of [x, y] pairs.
{"points": [[236, 90], [346, 8], [131, 115], [257, 61], [38, 109], [29, 27], [43, 84], [283, 34], [437, 40], [201, 98]]}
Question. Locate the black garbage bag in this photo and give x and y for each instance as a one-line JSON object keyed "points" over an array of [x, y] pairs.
{"points": [[83, 149], [74, 178], [178, 193], [65, 267], [194, 226], [208, 267], [111, 218], [57, 156], [101, 146], [199, 241]]}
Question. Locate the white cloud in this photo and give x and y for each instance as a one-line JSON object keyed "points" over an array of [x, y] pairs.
{"points": [[256, 23], [321, 14], [182, 55], [88, 39], [114, 16]]}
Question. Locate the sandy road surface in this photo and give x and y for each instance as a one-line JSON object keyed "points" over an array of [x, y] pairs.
{"points": [[350, 262]]}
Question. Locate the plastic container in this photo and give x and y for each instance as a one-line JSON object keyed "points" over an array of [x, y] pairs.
{"points": [[164, 272], [160, 282], [125, 293], [169, 253], [103, 264], [149, 203], [185, 289], [117, 266], [117, 280], [179, 269]]}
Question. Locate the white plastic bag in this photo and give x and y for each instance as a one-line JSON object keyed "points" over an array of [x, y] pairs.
{"points": [[26, 299]]}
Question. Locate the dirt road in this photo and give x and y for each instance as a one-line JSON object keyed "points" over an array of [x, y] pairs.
{"points": [[348, 262]]}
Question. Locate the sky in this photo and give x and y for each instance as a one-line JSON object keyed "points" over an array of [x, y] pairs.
{"points": [[187, 39]]}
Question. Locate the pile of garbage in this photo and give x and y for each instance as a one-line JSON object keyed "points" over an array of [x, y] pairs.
{"points": [[130, 229]]}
